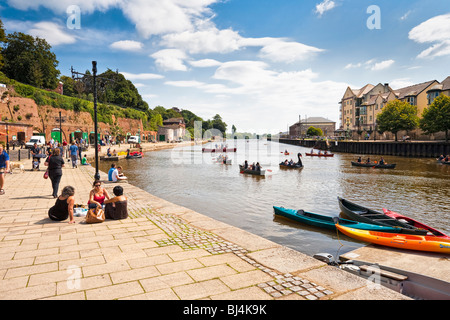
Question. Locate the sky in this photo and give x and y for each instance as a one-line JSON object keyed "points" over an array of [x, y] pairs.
{"points": [[260, 64]]}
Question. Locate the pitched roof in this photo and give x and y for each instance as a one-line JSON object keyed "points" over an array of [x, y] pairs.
{"points": [[360, 92], [316, 120], [413, 90], [446, 84]]}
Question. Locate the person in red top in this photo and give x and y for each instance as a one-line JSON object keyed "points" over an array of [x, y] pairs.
{"points": [[97, 195]]}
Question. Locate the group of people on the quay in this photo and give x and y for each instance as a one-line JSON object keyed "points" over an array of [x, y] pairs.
{"points": [[63, 209]]}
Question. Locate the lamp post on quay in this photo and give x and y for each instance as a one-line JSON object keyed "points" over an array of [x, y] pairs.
{"points": [[94, 75]]}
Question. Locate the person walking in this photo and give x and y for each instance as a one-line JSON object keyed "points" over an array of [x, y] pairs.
{"points": [[55, 164], [4, 168], [73, 154]]}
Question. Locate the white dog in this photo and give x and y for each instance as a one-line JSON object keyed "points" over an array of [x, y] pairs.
{"points": [[16, 165]]}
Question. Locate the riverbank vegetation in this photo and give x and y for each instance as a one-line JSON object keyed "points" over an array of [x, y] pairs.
{"points": [[29, 66]]}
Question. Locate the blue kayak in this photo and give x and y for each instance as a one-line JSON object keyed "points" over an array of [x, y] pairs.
{"points": [[329, 222]]}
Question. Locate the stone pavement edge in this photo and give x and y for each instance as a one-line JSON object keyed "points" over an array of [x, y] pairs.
{"points": [[161, 252]]}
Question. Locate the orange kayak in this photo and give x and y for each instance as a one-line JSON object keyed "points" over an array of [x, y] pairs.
{"points": [[401, 241]]}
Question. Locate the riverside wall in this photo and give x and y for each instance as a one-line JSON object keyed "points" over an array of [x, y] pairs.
{"points": [[432, 149]]}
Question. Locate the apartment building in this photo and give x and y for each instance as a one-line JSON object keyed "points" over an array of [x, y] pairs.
{"points": [[360, 107]]}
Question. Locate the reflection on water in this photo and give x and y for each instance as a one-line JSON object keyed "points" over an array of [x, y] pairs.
{"points": [[186, 176]]}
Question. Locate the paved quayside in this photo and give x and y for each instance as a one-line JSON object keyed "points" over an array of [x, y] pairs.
{"points": [[162, 251]]}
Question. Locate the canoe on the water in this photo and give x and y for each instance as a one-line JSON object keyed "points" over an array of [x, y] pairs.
{"points": [[415, 223], [400, 241], [219, 150], [374, 165], [362, 214], [320, 155], [327, 222], [252, 172]]}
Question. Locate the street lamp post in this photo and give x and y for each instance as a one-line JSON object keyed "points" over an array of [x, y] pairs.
{"points": [[94, 72]]}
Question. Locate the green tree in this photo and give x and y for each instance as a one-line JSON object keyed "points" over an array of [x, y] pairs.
{"points": [[218, 124], [396, 116], [30, 60], [436, 117], [312, 131], [2, 40]]}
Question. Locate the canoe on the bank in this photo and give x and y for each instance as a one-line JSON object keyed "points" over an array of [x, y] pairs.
{"points": [[366, 215], [415, 223], [374, 165], [219, 150], [252, 172], [320, 155], [327, 222], [400, 241]]}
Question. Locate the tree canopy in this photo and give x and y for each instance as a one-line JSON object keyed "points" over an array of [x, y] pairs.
{"points": [[29, 60], [436, 117], [396, 116]]}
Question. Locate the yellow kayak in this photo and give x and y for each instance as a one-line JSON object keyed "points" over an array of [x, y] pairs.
{"points": [[401, 241]]}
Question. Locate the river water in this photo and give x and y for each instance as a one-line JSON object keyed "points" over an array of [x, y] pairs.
{"points": [[418, 188]]}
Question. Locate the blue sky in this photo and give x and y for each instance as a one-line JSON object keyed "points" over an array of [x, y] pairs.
{"points": [[258, 63]]}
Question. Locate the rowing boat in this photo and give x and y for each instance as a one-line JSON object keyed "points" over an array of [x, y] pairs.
{"points": [[327, 222], [288, 166], [252, 172], [320, 154], [400, 241], [374, 165], [415, 223], [366, 215]]}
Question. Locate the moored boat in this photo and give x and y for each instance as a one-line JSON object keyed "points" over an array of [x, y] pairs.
{"points": [[415, 223], [374, 165], [366, 215], [252, 172], [327, 222], [400, 241]]}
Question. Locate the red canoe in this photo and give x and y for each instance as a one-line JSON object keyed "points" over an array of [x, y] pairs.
{"points": [[219, 150], [415, 223], [320, 155]]}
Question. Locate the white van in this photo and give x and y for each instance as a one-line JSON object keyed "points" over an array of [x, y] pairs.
{"points": [[39, 140], [133, 139]]}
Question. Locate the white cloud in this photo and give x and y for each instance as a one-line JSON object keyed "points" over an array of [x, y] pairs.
{"points": [[61, 6], [210, 40], [284, 51], [170, 60], [435, 30], [127, 45], [371, 65], [205, 63], [325, 6], [382, 65], [141, 76], [184, 84], [405, 16], [52, 32], [400, 83]]}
